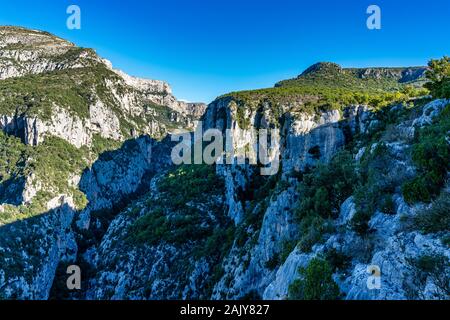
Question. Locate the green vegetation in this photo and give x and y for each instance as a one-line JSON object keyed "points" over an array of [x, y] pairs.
{"points": [[70, 89], [433, 266], [431, 154], [101, 145], [13, 170], [310, 100], [375, 188], [255, 199], [75, 90], [174, 217], [322, 191], [446, 240], [436, 218], [190, 183], [286, 248], [52, 163], [431, 150], [13, 158], [327, 88], [178, 216], [438, 75], [331, 75], [316, 283], [273, 262], [337, 259]]}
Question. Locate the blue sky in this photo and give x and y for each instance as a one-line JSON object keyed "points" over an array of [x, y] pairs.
{"points": [[205, 48]]}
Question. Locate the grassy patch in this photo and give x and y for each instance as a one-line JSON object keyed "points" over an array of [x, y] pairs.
{"points": [[436, 218]]}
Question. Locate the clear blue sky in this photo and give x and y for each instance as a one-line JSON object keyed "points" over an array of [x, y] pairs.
{"points": [[205, 48]]}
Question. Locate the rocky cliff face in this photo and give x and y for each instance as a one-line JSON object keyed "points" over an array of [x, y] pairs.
{"points": [[103, 119], [115, 104], [391, 247], [305, 140], [260, 260], [32, 249], [249, 268]]}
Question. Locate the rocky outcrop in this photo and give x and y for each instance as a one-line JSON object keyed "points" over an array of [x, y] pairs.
{"points": [[391, 247], [113, 179], [305, 140], [30, 254], [131, 269], [310, 139], [120, 173], [249, 271]]}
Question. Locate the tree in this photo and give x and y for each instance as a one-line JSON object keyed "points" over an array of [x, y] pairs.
{"points": [[438, 75], [316, 283]]}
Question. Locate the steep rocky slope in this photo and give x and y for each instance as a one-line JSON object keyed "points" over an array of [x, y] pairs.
{"points": [[271, 239], [361, 185], [77, 137], [55, 95]]}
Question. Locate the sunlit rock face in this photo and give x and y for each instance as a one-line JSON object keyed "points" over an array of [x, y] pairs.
{"points": [[114, 104]]}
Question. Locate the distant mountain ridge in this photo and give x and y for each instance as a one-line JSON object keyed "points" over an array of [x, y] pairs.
{"points": [[333, 75]]}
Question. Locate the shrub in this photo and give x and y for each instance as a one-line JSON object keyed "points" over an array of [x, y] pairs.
{"points": [[312, 228], [273, 262], [436, 218], [360, 222], [320, 92], [431, 154], [436, 267], [438, 75], [253, 295], [322, 192], [190, 182], [337, 259], [376, 188], [170, 218], [316, 283]]}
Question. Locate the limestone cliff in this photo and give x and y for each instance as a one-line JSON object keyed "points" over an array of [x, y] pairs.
{"points": [[109, 103]]}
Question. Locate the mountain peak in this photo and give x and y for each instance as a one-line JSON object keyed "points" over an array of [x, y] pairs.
{"points": [[322, 68], [23, 38]]}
